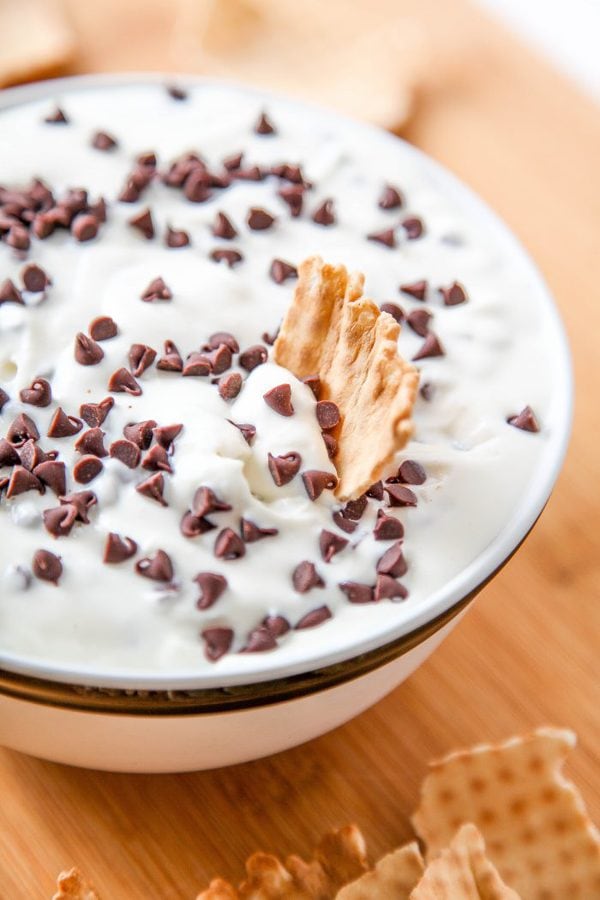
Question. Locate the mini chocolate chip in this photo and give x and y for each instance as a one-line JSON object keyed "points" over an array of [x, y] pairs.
{"points": [[324, 214], [387, 588], [140, 358], [156, 459], [191, 525], [82, 501], [86, 469], [43, 225], [248, 431], [171, 360], [231, 257], [4, 399], [117, 549], [229, 545], [386, 237], [217, 642], [158, 567], [305, 577], [284, 468], [34, 278], [289, 172], [390, 198], [252, 532], [62, 425], [153, 488], [123, 382], [206, 501], [176, 92], [8, 454], [84, 227], [264, 125], [328, 414], [176, 238], [31, 455], [22, 429], [250, 173], [331, 445], [140, 433], [59, 520], [87, 351], [398, 495], [222, 337], [279, 399], [147, 160], [314, 383], [53, 474], [387, 528], [144, 223], [357, 593], [412, 472], [313, 618], [56, 117], [233, 162], [525, 420], [414, 228], [220, 359], [277, 625], [94, 414], [197, 364], [330, 544], [91, 442], [395, 311], [252, 357], [46, 566], [427, 391], [418, 320], [39, 394], [230, 385], [454, 294], [259, 640], [156, 290], [354, 509], [259, 219], [212, 586], [281, 270], [316, 481], [166, 434], [293, 196], [392, 562], [102, 328], [21, 481], [18, 238], [223, 227], [346, 525], [430, 347], [376, 491], [98, 209], [103, 141], [126, 452]]}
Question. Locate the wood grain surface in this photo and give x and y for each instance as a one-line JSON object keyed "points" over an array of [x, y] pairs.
{"points": [[526, 654]]}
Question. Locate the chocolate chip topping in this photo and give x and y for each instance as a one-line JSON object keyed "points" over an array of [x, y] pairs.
{"points": [[153, 487], [314, 383], [94, 414], [313, 618], [229, 545], [103, 141], [316, 481], [395, 311], [259, 219], [328, 414], [387, 528], [92, 442], [252, 532], [293, 196], [390, 198], [418, 320], [158, 567], [412, 472], [38, 394], [387, 588], [248, 431], [123, 382], [166, 434], [279, 399], [62, 425], [4, 398], [31, 455], [233, 162], [9, 293], [284, 468], [176, 92], [330, 544], [84, 227], [281, 270], [212, 586], [264, 125], [398, 495], [331, 444], [206, 501], [22, 429], [277, 625], [176, 237], [259, 640], [305, 577], [82, 501], [102, 328], [86, 469], [34, 278], [59, 520], [140, 433], [324, 214], [386, 237], [376, 491], [392, 562], [427, 390], [354, 509], [144, 223], [231, 257], [197, 364], [525, 420], [56, 117], [346, 525], [46, 566], [414, 228], [191, 526], [230, 385], [87, 351], [8, 454], [21, 481], [117, 549], [430, 347], [126, 452], [454, 294], [156, 460], [171, 360], [156, 290], [217, 642], [252, 357], [357, 593], [140, 358], [223, 227]]}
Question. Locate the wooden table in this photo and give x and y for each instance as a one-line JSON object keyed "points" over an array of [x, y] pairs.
{"points": [[527, 654]]}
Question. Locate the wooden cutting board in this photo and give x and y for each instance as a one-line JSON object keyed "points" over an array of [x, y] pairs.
{"points": [[526, 654]]}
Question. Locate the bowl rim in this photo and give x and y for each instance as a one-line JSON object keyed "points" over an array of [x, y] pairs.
{"points": [[470, 579]]}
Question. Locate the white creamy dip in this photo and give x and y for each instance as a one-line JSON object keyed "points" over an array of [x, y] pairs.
{"points": [[106, 617]]}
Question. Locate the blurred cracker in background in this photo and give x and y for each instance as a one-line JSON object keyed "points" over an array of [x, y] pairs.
{"points": [[37, 40]]}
